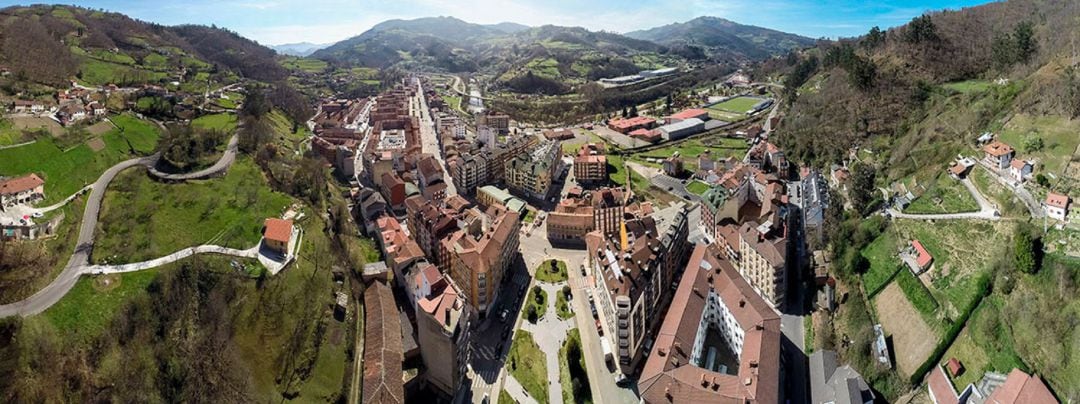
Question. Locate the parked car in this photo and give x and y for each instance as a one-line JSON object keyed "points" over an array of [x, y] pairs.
{"points": [[504, 314]]}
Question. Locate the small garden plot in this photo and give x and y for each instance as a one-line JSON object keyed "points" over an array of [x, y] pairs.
{"points": [[913, 340], [944, 195]]}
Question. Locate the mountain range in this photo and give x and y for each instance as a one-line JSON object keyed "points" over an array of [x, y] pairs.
{"points": [[301, 49], [553, 58]]}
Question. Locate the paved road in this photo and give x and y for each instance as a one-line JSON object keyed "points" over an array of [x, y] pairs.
{"points": [[227, 159], [986, 210], [79, 261], [601, 380], [1033, 206], [429, 138], [52, 293], [252, 252]]}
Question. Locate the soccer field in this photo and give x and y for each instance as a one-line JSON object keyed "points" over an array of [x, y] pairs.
{"points": [[738, 104]]}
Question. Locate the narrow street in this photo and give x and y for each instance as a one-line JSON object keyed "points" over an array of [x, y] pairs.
{"points": [[428, 137]]}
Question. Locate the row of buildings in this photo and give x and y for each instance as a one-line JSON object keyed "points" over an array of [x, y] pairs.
{"points": [[676, 126]]}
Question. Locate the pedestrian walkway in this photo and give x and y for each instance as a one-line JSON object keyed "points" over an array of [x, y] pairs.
{"points": [[516, 391], [168, 259], [550, 334]]}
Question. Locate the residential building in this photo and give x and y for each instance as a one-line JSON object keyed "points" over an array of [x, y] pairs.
{"points": [[916, 257], [1016, 388], [681, 129], [22, 190], [369, 205], [490, 195], [673, 166], [998, 155], [571, 220], [71, 113], [469, 171], [480, 253], [632, 269], [32, 106], [531, 174], [559, 134], [590, 164], [500, 122], [443, 331], [719, 341], [500, 154], [832, 383], [431, 179], [813, 200], [383, 352], [276, 235], [400, 250], [1019, 170], [1021, 388], [627, 125], [763, 259], [609, 207], [1056, 205], [393, 191]]}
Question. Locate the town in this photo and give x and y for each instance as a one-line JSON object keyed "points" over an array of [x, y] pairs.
{"points": [[413, 215]]}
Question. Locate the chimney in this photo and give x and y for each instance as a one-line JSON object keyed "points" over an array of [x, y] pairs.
{"points": [[446, 316], [667, 393], [742, 302]]}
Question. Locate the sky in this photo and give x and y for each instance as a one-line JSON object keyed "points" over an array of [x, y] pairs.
{"points": [[273, 22]]}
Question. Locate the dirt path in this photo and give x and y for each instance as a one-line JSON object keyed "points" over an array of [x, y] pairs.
{"points": [[912, 339]]}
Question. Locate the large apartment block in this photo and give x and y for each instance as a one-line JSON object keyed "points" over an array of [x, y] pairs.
{"points": [[590, 164], [531, 174], [481, 252]]}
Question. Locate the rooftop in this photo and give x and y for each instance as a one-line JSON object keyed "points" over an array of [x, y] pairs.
{"points": [[382, 347], [278, 230], [20, 184], [1057, 200], [997, 148]]}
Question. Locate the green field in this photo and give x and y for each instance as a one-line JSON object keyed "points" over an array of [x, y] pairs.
{"points": [[97, 72], [169, 217], [67, 171], [739, 105], [562, 306], [535, 302], [1058, 135], [573, 370], [9, 135], [544, 271], [884, 262], [944, 195], [984, 345], [697, 187], [304, 64], [220, 122], [720, 148], [528, 365], [917, 293], [88, 307]]}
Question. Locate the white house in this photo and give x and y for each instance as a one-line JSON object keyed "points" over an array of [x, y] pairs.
{"points": [[1019, 170], [1056, 206]]}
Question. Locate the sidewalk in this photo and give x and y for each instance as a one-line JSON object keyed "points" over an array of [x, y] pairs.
{"points": [[515, 390]]}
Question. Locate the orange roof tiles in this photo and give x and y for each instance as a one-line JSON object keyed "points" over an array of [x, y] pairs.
{"points": [[689, 113], [383, 351], [20, 184], [278, 230], [922, 257], [997, 149], [1019, 388], [1057, 200]]}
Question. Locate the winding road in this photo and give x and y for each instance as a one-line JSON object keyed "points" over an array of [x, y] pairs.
{"points": [[79, 262]]}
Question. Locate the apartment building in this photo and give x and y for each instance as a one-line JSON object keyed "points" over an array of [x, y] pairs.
{"points": [[469, 171], [442, 323], [480, 253], [531, 174], [590, 164], [497, 121]]}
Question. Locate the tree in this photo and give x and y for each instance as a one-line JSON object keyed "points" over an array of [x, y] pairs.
{"points": [[874, 38], [633, 111], [921, 29], [1024, 251], [1033, 144], [862, 187]]}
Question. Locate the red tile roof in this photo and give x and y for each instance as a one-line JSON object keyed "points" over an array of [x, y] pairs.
{"points": [[668, 376], [689, 113], [20, 184], [632, 122], [1057, 200], [922, 257], [997, 149], [941, 389], [382, 347], [955, 367], [1018, 164], [278, 230], [1021, 388]]}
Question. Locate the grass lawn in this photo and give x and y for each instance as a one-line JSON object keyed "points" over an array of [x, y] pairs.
{"points": [[1006, 201], [530, 215], [527, 364], [143, 219], [984, 345], [504, 398], [944, 195], [324, 385], [536, 300], [697, 187], [551, 271], [67, 171], [10, 135], [304, 64], [917, 293], [453, 101], [963, 252], [91, 304], [97, 72], [562, 306], [1058, 134], [738, 104], [222, 122], [884, 262], [808, 334], [569, 372], [968, 86]]}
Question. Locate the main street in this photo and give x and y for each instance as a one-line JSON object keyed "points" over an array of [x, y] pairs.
{"points": [[429, 138]]}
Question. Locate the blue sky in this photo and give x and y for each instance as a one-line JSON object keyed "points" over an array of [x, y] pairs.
{"points": [[322, 21]]}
